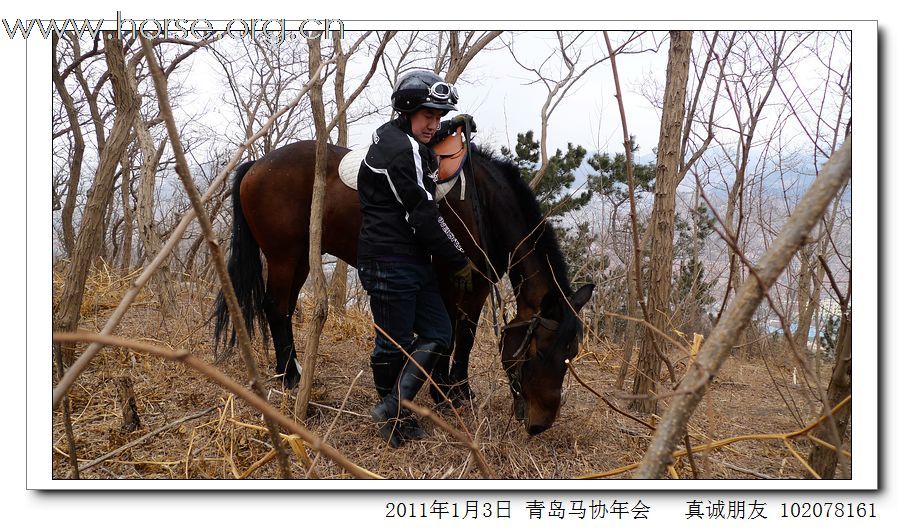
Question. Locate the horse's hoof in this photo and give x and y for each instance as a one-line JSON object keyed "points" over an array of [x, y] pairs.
{"points": [[290, 381], [454, 399]]}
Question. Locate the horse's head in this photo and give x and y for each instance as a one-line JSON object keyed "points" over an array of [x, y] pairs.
{"points": [[534, 352]]}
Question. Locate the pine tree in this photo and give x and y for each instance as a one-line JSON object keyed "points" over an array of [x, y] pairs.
{"points": [[554, 190], [692, 294], [830, 336], [611, 178]]}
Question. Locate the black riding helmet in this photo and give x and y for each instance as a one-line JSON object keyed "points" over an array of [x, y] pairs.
{"points": [[423, 88]]}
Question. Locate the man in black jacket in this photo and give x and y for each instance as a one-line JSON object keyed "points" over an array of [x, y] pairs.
{"points": [[401, 233]]}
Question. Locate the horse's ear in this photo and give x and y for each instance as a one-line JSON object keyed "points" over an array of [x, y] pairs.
{"points": [[581, 297]]}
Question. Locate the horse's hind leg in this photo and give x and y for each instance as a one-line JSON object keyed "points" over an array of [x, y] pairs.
{"points": [[279, 304]]}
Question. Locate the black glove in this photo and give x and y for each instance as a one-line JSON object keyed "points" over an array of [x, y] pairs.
{"points": [[461, 120], [462, 279]]}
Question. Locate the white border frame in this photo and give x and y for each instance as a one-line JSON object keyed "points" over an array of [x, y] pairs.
{"points": [[865, 247]]}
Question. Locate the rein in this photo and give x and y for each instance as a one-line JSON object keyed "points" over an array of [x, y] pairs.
{"points": [[482, 232]]}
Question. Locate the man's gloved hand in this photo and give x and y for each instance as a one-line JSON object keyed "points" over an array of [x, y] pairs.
{"points": [[461, 120], [462, 278]]}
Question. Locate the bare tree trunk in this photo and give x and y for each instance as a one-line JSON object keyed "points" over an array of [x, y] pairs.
{"points": [[125, 190], [90, 235], [338, 288], [735, 203], [316, 277], [128, 405], [144, 205], [634, 313], [628, 342], [78, 152], [804, 306], [835, 173], [91, 98], [823, 459], [67, 418], [144, 201], [662, 220], [108, 254], [339, 281]]}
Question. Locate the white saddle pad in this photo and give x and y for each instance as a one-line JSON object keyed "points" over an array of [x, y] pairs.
{"points": [[349, 166], [351, 163]]}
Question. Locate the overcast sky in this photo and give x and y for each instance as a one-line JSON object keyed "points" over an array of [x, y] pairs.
{"points": [[506, 99]]}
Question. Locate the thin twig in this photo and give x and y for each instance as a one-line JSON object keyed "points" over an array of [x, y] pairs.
{"points": [[326, 435], [745, 470], [842, 299], [603, 398], [458, 435], [151, 434]]}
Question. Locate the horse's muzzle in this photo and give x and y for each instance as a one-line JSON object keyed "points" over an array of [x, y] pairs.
{"points": [[534, 430]]}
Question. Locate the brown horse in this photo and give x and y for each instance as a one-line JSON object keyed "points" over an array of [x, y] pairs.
{"points": [[272, 205]]}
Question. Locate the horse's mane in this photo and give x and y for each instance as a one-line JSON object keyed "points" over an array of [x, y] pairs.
{"points": [[546, 242]]}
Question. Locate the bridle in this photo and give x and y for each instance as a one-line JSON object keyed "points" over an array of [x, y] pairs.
{"points": [[518, 358]]}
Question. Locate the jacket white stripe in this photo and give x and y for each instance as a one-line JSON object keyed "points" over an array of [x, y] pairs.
{"points": [[391, 185], [415, 147]]}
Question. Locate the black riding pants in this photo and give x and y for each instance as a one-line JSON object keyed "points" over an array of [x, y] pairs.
{"points": [[406, 303]]}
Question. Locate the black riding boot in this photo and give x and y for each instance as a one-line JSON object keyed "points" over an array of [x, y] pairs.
{"points": [[396, 424], [385, 375]]}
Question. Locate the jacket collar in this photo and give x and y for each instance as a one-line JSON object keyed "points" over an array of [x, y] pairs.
{"points": [[403, 123]]}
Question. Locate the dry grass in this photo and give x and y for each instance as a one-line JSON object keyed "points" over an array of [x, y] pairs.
{"points": [[751, 395]]}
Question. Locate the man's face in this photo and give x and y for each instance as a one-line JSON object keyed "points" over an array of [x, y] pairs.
{"points": [[424, 123]]}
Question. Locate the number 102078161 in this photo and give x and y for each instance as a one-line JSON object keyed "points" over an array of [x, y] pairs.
{"points": [[829, 510]]}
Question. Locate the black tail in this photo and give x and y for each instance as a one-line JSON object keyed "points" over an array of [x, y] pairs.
{"points": [[246, 273]]}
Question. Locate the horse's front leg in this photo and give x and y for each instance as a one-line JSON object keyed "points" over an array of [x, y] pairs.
{"points": [[440, 374], [466, 330], [451, 370], [452, 375]]}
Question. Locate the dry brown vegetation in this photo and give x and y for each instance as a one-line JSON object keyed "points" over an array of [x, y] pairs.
{"points": [[754, 394]]}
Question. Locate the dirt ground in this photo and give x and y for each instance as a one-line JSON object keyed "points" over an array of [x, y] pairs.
{"points": [[755, 393]]}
